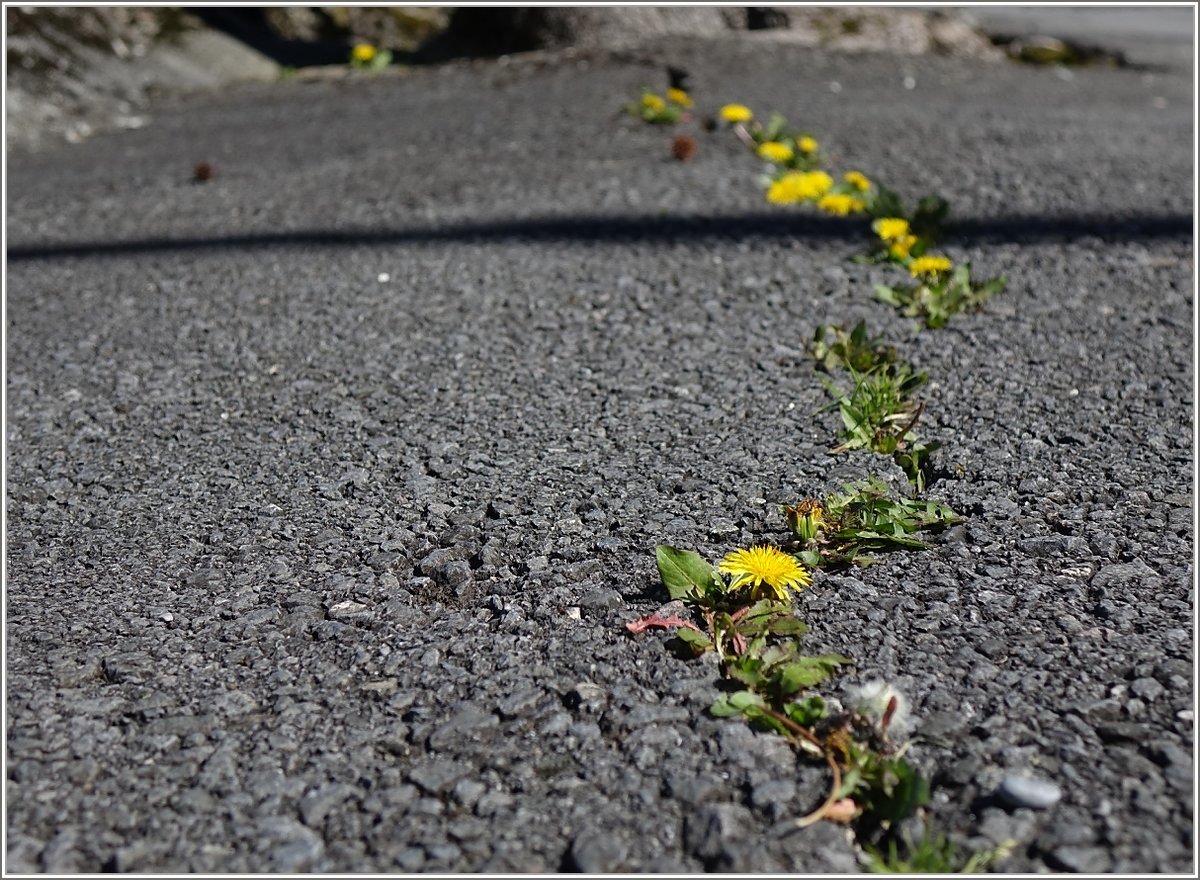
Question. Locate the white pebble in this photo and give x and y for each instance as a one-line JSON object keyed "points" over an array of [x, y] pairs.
{"points": [[1022, 791]]}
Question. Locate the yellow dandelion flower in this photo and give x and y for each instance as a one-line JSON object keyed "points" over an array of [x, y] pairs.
{"points": [[890, 228], [680, 97], [363, 53], [930, 265], [799, 186], [775, 151], [807, 145], [782, 192], [858, 180], [653, 103], [736, 113], [899, 248], [818, 182], [764, 569], [841, 205]]}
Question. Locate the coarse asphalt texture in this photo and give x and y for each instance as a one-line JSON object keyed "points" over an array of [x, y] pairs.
{"points": [[332, 481]]}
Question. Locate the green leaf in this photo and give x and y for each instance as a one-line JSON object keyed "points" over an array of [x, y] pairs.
{"points": [[748, 673], [900, 792], [990, 288], [735, 704], [796, 676], [684, 573], [886, 203], [775, 127], [696, 639], [806, 712], [808, 671], [886, 294], [788, 626], [896, 538]]}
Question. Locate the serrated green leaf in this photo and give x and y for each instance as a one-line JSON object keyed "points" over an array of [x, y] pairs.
{"points": [[684, 573], [808, 671], [746, 668], [796, 676]]}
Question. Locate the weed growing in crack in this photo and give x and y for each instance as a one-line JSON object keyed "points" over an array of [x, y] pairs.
{"points": [[864, 519], [787, 148], [931, 853], [940, 293], [746, 621], [769, 681], [364, 56], [880, 412], [836, 347], [657, 110]]}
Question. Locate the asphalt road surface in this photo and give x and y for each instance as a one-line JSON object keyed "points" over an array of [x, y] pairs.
{"points": [[332, 481]]}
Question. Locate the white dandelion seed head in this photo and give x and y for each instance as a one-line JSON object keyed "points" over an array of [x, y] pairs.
{"points": [[871, 698]]}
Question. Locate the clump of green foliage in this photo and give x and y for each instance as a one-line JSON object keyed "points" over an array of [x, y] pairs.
{"points": [[863, 519], [880, 411], [932, 853], [835, 347], [935, 300], [758, 644], [364, 56], [747, 621], [925, 223], [657, 110]]}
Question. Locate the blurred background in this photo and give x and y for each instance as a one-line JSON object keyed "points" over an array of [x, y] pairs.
{"points": [[73, 71]]}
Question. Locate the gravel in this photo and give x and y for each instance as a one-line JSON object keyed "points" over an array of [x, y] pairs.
{"points": [[313, 572]]}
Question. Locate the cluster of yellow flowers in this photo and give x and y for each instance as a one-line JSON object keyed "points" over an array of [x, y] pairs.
{"points": [[653, 103], [894, 232], [797, 156], [764, 572], [853, 195], [798, 175], [799, 186], [664, 110], [680, 97], [840, 204]]}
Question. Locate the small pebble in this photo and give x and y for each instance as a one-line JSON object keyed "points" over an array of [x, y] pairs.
{"points": [[597, 852], [1022, 791]]}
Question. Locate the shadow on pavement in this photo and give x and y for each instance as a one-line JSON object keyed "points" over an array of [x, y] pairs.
{"points": [[632, 228]]}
